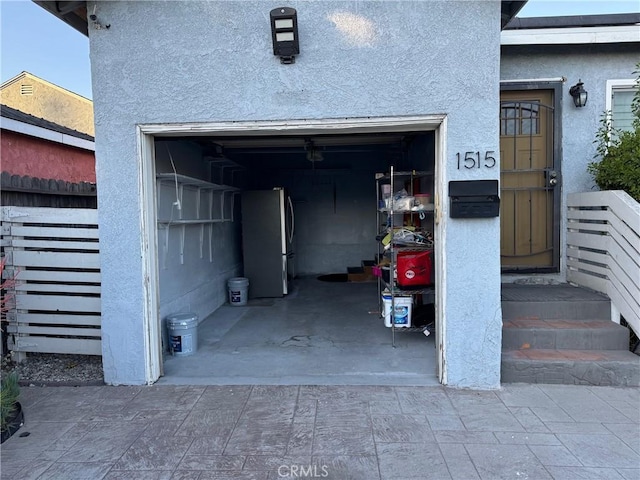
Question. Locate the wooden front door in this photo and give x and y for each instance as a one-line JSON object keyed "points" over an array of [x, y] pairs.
{"points": [[529, 182]]}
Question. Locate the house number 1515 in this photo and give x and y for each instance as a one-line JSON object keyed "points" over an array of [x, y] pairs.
{"points": [[475, 160]]}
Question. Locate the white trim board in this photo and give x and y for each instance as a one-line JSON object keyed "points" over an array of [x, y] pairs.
{"points": [[565, 36], [45, 134], [613, 84], [336, 126], [534, 80]]}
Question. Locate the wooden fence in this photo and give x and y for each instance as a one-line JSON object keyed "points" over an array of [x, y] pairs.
{"points": [[53, 254], [603, 249]]}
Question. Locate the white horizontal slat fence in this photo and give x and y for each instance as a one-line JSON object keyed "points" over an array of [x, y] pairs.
{"points": [[603, 249], [54, 256]]}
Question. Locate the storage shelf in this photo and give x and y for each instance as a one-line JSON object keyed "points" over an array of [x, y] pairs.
{"points": [[411, 329], [195, 182], [421, 210], [409, 173], [399, 292], [191, 222], [412, 248], [416, 291], [210, 200], [429, 208]]}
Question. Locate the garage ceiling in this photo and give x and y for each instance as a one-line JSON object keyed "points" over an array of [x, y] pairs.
{"points": [[315, 148]]}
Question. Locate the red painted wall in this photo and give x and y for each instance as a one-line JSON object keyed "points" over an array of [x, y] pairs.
{"points": [[35, 157]]}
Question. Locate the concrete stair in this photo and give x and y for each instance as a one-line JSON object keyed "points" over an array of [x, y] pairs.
{"points": [[563, 334], [363, 273]]}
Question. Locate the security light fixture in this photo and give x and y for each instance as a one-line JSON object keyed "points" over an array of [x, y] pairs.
{"points": [[284, 33], [579, 94], [96, 24]]}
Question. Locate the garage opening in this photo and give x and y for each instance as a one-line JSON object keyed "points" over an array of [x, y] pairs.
{"points": [[313, 310]]}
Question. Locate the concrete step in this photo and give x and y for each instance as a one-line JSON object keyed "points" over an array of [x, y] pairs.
{"points": [[553, 302], [571, 367], [598, 309], [360, 274], [535, 333]]}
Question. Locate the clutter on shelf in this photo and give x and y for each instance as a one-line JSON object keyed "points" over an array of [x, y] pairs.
{"points": [[405, 255], [403, 201], [407, 236]]}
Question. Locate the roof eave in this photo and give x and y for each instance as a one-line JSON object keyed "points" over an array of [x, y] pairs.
{"points": [[574, 21], [509, 9], [74, 13], [623, 34]]}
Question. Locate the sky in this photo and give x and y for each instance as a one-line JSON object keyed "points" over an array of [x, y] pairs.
{"points": [[33, 40]]}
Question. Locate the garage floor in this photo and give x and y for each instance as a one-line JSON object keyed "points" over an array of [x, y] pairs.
{"points": [[323, 333]]}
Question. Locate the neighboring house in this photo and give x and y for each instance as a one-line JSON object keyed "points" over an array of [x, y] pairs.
{"points": [[413, 84], [45, 164], [29, 94]]}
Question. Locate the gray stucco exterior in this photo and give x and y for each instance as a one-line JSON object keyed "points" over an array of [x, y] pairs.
{"points": [[191, 62]]}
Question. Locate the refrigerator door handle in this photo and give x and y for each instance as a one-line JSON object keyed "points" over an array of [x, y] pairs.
{"points": [[285, 275], [293, 220]]}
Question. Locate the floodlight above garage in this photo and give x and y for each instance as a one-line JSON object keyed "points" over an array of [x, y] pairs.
{"points": [[284, 34]]}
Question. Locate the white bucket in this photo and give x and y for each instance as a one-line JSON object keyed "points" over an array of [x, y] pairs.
{"points": [[182, 329], [238, 288], [402, 314]]}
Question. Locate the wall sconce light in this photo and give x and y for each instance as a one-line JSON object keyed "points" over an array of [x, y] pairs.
{"points": [[284, 33], [579, 94]]}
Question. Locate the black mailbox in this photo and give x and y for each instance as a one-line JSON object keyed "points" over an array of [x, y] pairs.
{"points": [[474, 199]]}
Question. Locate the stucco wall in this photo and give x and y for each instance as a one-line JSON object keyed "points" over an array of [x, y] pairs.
{"points": [[34, 157], [212, 61], [51, 103], [594, 65]]}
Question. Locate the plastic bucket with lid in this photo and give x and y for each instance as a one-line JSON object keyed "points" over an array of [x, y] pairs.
{"points": [[182, 329], [238, 288], [402, 310]]}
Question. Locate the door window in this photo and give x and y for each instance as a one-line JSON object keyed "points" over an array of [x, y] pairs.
{"points": [[520, 118]]}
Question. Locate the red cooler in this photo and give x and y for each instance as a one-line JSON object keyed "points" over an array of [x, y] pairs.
{"points": [[414, 268]]}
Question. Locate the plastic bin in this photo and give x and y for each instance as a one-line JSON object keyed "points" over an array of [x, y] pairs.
{"points": [[414, 269]]}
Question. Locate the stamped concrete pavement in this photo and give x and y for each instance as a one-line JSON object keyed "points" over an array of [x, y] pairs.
{"points": [[334, 432]]}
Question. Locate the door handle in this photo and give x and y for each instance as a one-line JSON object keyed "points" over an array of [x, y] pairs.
{"points": [[552, 177]]}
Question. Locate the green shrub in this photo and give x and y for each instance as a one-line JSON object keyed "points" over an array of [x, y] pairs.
{"points": [[9, 392], [619, 168], [619, 153]]}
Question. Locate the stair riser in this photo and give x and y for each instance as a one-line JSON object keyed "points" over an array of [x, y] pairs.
{"points": [[612, 373], [557, 310], [568, 338]]}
